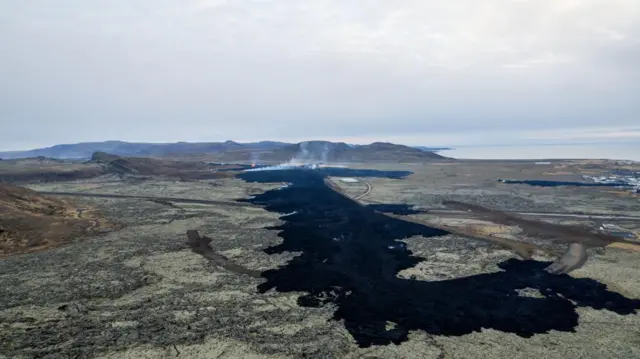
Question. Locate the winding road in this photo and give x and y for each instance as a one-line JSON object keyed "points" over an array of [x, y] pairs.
{"points": [[150, 198], [366, 192], [360, 197]]}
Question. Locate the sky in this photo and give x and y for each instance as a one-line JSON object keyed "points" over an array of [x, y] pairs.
{"points": [[421, 72]]}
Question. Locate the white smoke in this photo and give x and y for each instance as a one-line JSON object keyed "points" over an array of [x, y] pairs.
{"points": [[311, 154], [304, 148], [325, 153], [284, 166], [302, 157], [255, 157]]}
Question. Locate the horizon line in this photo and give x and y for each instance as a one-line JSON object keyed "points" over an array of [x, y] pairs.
{"points": [[440, 147]]}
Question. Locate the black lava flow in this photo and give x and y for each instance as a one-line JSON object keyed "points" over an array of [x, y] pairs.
{"points": [[350, 257], [542, 183]]}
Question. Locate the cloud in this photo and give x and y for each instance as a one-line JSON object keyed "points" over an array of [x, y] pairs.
{"points": [[217, 69]]}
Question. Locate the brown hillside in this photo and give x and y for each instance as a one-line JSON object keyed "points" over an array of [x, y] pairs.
{"points": [[31, 222]]}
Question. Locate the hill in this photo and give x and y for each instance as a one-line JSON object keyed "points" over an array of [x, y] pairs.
{"points": [[31, 222], [323, 151], [309, 151]]}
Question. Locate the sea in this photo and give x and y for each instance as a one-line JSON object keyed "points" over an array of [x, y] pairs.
{"points": [[613, 151]]}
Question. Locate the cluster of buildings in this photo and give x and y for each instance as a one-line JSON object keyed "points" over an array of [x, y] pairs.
{"points": [[622, 178]]}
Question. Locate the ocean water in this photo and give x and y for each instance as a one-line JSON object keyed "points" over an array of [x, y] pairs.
{"points": [[618, 151]]}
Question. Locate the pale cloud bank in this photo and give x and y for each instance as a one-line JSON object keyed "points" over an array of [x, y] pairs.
{"points": [[434, 72]]}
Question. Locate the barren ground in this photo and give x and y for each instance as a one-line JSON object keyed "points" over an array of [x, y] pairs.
{"points": [[139, 292]]}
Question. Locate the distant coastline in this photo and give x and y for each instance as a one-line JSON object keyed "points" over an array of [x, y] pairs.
{"points": [[543, 144], [528, 151], [433, 149], [611, 151]]}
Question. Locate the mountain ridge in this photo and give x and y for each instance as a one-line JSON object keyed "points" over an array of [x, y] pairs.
{"points": [[273, 150]]}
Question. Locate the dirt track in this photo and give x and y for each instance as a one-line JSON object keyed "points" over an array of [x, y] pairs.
{"points": [[366, 192]]}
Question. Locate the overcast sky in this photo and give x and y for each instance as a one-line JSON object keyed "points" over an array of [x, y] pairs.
{"points": [[410, 71]]}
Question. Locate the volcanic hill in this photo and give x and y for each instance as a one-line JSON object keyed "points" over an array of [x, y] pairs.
{"points": [[339, 151]]}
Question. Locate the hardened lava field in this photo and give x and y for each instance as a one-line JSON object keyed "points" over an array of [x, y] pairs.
{"points": [[338, 279]]}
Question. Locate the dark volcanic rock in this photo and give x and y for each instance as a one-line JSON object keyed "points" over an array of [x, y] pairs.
{"points": [[400, 209]]}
